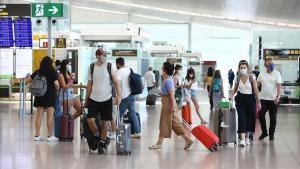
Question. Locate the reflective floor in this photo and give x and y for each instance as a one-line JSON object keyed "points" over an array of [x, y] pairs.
{"points": [[19, 151]]}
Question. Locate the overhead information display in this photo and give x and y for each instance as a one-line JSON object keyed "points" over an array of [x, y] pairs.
{"points": [[23, 32], [6, 63], [23, 62], [6, 32]]}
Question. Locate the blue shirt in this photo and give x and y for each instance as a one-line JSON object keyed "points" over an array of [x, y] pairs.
{"points": [[167, 86]]}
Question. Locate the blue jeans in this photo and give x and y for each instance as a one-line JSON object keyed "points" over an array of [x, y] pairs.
{"points": [[128, 103]]}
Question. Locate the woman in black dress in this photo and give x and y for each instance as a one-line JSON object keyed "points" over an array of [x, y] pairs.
{"points": [[46, 102]]}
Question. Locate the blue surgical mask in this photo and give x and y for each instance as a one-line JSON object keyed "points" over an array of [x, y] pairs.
{"points": [[271, 67]]}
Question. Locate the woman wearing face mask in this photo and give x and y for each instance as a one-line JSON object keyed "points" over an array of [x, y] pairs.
{"points": [[178, 85], [216, 90], [190, 84], [246, 99], [66, 91]]}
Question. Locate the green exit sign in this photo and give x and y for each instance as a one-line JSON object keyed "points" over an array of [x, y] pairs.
{"points": [[47, 10]]}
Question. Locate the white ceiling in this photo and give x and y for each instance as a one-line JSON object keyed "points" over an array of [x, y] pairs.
{"points": [[231, 13]]}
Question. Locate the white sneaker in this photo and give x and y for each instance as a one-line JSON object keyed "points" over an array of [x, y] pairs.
{"points": [[242, 143], [38, 138], [248, 141], [111, 135], [137, 135], [52, 139]]}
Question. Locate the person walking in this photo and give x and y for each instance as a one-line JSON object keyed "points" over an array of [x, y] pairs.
{"points": [[231, 77], [168, 119], [150, 79], [128, 100], [190, 85], [217, 89], [99, 96], [178, 85], [246, 99], [208, 82], [46, 102], [270, 81]]}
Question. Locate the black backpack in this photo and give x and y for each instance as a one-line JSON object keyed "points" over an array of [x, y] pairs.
{"points": [[135, 83]]}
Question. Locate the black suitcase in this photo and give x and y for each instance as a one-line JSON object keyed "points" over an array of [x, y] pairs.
{"points": [[151, 99]]}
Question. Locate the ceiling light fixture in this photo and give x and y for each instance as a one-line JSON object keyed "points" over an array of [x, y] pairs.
{"points": [[123, 13], [138, 6]]}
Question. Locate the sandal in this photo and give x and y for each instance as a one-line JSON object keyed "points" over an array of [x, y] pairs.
{"points": [[188, 145], [155, 147]]}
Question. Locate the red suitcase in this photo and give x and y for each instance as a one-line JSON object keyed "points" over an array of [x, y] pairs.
{"points": [[67, 126], [186, 114], [206, 137]]}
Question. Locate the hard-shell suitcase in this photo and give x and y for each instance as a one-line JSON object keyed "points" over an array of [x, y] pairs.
{"points": [[123, 134], [67, 125], [186, 114], [208, 138], [127, 119], [225, 125]]}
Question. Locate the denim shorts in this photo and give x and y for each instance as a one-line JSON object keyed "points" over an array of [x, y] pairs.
{"points": [[193, 93], [66, 94]]}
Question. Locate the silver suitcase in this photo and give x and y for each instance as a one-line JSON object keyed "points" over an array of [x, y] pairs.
{"points": [[123, 140], [225, 125]]}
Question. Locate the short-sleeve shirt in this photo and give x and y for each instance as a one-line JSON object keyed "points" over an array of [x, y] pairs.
{"points": [[123, 76], [167, 86], [208, 80], [150, 78], [194, 85], [101, 88], [269, 83]]}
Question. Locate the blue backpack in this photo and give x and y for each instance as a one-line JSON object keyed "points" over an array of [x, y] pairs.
{"points": [[216, 85], [135, 83]]}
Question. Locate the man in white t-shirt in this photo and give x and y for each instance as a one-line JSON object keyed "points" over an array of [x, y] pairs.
{"points": [[99, 98], [150, 79], [128, 100], [270, 81]]}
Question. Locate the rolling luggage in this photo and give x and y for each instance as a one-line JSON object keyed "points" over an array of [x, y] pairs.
{"points": [[151, 98], [186, 114], [67, 125], [123, 134], [127, 119], [208, 138], [225, 125]]}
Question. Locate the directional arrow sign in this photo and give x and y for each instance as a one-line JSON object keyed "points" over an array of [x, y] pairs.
{"points": [[47, 10]]}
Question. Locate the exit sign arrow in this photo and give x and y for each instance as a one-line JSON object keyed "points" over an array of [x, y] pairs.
{"points": [[54, 10]]}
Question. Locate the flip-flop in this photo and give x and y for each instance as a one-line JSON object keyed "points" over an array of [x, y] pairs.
{"points": [[188, 145], [155, 147]]}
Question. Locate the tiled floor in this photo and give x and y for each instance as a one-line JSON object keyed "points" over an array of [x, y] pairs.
{"points": [[19, 151]]}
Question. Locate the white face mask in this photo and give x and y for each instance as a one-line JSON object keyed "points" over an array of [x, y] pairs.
{"points": [[243, 71], [103, 59]]}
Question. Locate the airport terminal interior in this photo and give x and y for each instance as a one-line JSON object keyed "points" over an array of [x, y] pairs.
{"points": [[211, 69]]}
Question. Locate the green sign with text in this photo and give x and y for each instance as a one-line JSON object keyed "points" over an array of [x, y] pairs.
{"points": [[47, 10]]}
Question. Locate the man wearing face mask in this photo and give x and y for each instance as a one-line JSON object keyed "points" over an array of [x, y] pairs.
{"points": [[99, 97], [270, 81]]}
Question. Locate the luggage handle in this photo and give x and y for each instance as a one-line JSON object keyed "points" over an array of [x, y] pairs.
{"points": [[185, 122], [118, 139]]}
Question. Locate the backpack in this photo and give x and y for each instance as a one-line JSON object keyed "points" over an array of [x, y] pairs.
{"points": [[135, 83], [113, 91], [39, 86], [216, 87]]}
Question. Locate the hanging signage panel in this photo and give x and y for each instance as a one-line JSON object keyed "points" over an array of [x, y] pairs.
{"points": [[15, 9], [282, 54], [125, 52]]}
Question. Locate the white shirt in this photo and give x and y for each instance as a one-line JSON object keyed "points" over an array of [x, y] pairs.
{"points": [[194, 85], [123, 75], [150, 78], [101, 88], [245, 88], [269, 83]]}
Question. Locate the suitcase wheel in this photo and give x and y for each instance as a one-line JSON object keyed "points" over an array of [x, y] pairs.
{"points": [[211, 150]]}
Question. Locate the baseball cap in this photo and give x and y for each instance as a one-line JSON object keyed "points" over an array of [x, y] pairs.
{"points": [[100, 52]]}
